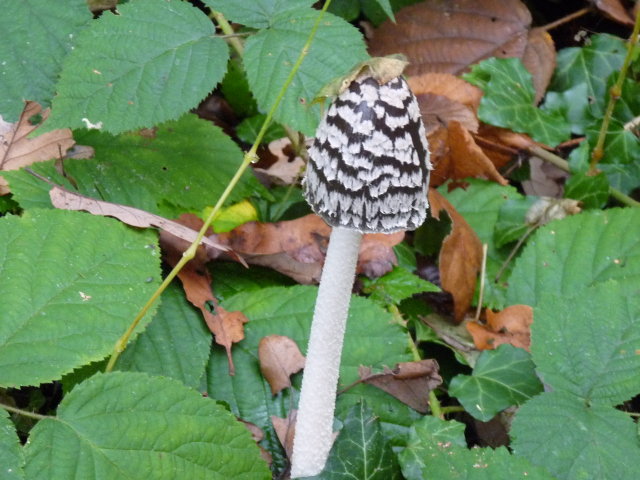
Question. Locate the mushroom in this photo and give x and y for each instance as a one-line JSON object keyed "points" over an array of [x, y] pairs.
{"points": [[368, 172]]}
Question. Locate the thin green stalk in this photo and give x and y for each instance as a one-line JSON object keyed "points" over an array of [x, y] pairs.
{"points": [[24, 413], [562, 164], [614, 94], [226, 28], [249, 157]]}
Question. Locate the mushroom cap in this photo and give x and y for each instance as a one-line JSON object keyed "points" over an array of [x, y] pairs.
{"points": [[369, 163]]}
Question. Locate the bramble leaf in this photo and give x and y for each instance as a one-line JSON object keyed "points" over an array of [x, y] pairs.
{"points": [[71, 283], [131, 425], [150, 63], [11, 456], [257, 13]]}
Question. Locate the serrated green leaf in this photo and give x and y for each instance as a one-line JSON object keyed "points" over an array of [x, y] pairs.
{"points": [[11, 457], [271, 53], [150, 63], [36, 36], [235, 89], [361, 450], [501, 378], [437, 450], [184, 166], [176, 344], [588, 343], [131, 425], [575, 441], [71, 284], [395, 286], [371, 339], [508, 101], [567, 255], [257, 13], [480, 204], [590, 65]]}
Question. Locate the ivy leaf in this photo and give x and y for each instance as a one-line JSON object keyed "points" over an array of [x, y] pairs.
{"points": [[501, 378], [184, 165], [151, 62], [591, 190], [371, 339], [575, 440], [131, 425], [71, 283], [437, 449], [361, 450], [37, 35], [395, 286], [508, 101], [176, 328], [566, 255], [258, 13], [11, 456], [590, 65], [597, 361], [271, 53]]}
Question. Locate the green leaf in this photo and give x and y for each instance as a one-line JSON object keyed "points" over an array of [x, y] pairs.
{"points": [[511, 224], [131, 425], [574, 440], [574, 106], [501, 378], [175, 330], [480, 204], [508, 101], [590, 65], [247, 130], [71, 284], [578, 251], [257, 13], [371, 339], [588, 343], [184, 166], [235, 89], [11, 457], [231, 278], [361, 450], [271, 53], [437, 450], [36, 36], [395, 286], [150, 63], [591, 190]]}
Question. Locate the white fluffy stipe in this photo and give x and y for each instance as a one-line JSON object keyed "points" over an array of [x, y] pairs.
{"points": [[314, 435]]}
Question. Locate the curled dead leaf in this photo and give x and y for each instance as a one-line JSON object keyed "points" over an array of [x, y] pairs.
{"points": [[18, 150], [279, 358], [511, 325], [460, 256], [257, 435], [546, 209], [285, 430], [409, 382], [615, 10], [539, 59]]}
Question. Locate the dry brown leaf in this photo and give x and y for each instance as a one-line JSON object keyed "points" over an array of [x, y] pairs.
{"points": [[285, 170], [257, 435], [409, 382], [540, 60], [448, 37], [297, 247], [17, 150], [437, 111], [545, 179], [501, 145], [614, 10], [67, 200], [546, 209], [279, 358], [227, 327], [460, 256], [448, 85], [285, 430], [511, 325]]}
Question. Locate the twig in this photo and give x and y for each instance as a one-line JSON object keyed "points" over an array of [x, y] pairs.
{"points": [[249, 158], [483, 271], [614, 94], [513, 252], [568, 18]]}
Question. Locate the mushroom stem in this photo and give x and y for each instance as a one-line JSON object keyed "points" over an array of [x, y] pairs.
{"points": [[314, 432]]}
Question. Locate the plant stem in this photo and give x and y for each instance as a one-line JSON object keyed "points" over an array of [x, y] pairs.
{"points": [[249, 158], [566, 19], [24, 413], [226, 28], [483, 272], [614, 94], [314, 425], [562, 164]]}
